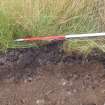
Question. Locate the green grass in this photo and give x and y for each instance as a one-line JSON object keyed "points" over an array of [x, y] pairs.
{"points": [[6, 31], [46, 17]]}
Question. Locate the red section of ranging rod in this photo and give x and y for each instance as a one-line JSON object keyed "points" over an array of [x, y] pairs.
{"points": [[47, 38]]}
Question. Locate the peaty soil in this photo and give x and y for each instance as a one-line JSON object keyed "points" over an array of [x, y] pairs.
{"points": [[49, 76]]}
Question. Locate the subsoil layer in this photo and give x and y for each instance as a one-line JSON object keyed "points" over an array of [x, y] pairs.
{"points": [[49, 76]]}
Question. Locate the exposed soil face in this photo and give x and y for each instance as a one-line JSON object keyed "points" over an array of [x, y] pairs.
{"points": [[49, 76]]}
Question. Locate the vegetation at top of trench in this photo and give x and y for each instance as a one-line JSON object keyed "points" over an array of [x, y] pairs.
{"points": [[23, 18]]}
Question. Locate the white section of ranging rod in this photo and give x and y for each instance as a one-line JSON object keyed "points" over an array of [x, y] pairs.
{"points": [[85, 35], [19, 40]]}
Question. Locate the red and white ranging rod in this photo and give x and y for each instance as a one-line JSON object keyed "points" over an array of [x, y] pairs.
{"points": [[71, 36]]}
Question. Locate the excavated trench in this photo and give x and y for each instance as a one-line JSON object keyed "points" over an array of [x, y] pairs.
{"points": [[49, 76]]}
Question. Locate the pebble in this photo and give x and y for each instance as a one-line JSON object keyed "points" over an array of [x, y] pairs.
{"points": [[28, 80], [64, 82], [69, 93], [40, 102], [103, 91], [70, 83], [22, 101], [74, 90]]}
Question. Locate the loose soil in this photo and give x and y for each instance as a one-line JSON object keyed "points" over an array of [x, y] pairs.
{"points": [[49, 76]]}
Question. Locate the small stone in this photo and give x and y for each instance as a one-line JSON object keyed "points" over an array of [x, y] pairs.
{"points": [[71, 83], [25, 81], [64, 82], [103, 91], [40, 102], [22, 101], [69, 93], [29, 79], [74, 90]]}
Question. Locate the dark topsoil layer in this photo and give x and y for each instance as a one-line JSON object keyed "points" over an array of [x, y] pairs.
{"points": [[49, 76]]}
